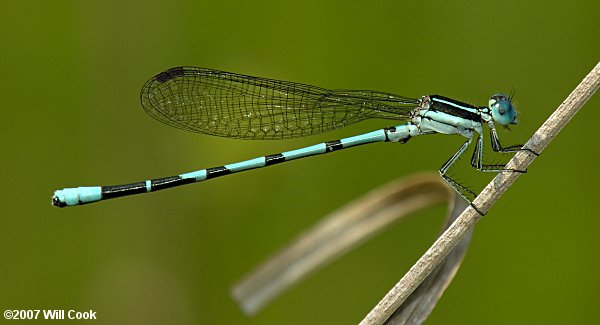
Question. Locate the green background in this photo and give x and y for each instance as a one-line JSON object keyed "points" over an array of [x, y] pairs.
{"points": [[71, 72]]}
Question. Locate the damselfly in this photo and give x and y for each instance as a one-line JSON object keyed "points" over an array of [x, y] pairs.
{"points": [[238, 106]]}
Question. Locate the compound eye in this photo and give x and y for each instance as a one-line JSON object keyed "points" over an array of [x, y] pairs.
{"points": [[502, 110]]}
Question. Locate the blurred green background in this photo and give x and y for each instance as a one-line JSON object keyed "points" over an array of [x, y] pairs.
{"points": [[71, 72]]}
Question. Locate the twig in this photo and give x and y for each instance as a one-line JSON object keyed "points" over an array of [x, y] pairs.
{"points": [[490, 194], [421, 302]]}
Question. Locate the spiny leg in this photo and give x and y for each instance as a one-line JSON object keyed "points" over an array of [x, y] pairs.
{"points": [[497, 146], [466, 193], [477, 159]]}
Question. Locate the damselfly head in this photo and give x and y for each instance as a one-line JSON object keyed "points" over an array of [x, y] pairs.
{"points": [[503, 111]]}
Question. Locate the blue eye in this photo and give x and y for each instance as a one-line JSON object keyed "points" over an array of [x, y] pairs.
{"points": [[503, 111]]}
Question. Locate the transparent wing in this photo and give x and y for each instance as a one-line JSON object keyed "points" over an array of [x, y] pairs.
{"points": [[237, 106]]}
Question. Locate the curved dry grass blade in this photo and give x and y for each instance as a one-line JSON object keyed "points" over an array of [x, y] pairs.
{"points": [[421, 302], [490, 194], [341, 231]]}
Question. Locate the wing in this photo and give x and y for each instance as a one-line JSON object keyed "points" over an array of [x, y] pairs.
{"points": [[238, 106]]}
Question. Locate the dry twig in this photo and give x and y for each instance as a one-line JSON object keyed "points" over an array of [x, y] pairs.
{"points": [[490, 194]]}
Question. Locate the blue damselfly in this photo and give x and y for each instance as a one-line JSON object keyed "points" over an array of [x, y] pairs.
{"points": [[238, 106]]}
